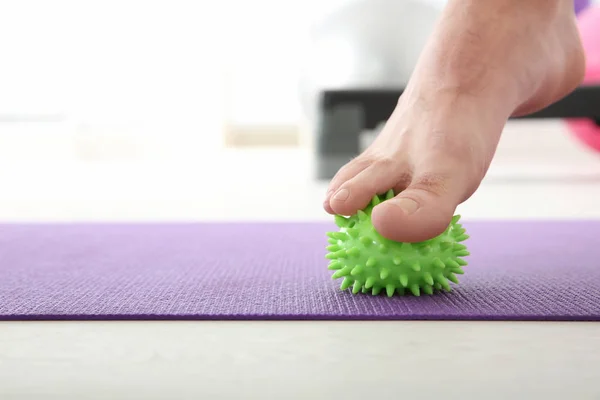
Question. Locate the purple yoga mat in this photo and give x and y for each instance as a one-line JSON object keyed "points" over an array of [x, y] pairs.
{"points": [[517, 271]]}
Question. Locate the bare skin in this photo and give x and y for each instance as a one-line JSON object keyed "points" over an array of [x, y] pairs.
{"points": [[485, 61]]}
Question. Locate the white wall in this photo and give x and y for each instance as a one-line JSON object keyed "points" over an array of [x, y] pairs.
{"points": [[265, 73], [269, 37], [153, 62], [129, 63]]}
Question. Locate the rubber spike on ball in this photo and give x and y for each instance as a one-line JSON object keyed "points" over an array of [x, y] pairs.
{"points": [[371, 264]]}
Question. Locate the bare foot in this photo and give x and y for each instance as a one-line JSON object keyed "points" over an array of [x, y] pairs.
{"points": [[486, 61]]}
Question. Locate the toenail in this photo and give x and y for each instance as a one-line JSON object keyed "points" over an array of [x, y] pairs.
{"points": [[408, 205], [341, 195]]}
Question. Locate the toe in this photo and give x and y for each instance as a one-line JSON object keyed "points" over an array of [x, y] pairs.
{"points": [[326, 202], [347, 172], [423, 210], [357, 192]]}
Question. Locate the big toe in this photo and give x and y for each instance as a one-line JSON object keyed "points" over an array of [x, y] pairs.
{"points": [[419, 213]]}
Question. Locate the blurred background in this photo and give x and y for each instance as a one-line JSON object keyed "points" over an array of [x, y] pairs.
{"points": [[196, 110]]}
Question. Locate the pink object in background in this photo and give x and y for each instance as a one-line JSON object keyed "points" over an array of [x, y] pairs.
{"points": [[587, 130]]}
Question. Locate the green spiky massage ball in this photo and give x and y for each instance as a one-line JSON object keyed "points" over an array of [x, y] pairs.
{"points": [[368, 262]]}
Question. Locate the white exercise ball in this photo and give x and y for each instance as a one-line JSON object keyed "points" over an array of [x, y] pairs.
{"points": [[365, 44]]}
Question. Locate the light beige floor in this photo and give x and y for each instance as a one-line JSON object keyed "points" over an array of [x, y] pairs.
{"points": [[299, 360], [539, 173]]}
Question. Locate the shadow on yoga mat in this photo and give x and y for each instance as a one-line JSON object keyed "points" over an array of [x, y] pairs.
{"points": [[517, 271]]}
